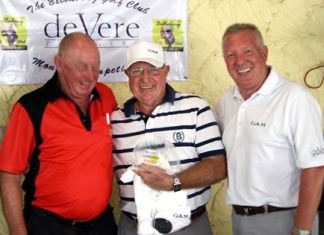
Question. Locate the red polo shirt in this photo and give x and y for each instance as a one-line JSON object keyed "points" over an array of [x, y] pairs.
{"points": [[75, 164]]}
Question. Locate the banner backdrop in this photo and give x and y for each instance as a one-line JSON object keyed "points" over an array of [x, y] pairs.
{"points": [[31, 32]]}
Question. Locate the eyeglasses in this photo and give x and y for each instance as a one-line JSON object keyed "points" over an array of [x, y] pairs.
{"points": [[139, 71]]}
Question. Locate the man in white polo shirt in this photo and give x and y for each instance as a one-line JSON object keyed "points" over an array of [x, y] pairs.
{"points": [[272, 133], [144, 126]]}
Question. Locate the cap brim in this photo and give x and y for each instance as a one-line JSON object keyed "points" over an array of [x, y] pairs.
{"points": [[156, 63]]}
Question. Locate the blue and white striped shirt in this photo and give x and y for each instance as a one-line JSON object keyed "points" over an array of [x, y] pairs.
{"points": [[184, 120]]}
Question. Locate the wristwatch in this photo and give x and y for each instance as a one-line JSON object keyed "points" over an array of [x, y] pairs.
{"points": [[176, 184], [299, 231]]}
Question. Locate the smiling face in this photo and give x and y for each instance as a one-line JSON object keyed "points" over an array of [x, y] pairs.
{"points": [[78, 65], [148, 88], [245, 57]]}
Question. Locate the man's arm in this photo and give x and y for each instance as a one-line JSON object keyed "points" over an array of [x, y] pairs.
{"points": [[206, 172], [310, 192], [11, 197]]}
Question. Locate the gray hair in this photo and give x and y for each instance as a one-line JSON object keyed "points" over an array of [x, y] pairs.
{"points": [[239, 27]]}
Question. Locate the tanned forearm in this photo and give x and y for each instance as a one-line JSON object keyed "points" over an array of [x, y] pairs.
{"points": [[11, 197], [311, 186], [207, 172]]}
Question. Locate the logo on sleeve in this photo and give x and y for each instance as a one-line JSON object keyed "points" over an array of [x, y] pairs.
{"points": [[317, 151]]}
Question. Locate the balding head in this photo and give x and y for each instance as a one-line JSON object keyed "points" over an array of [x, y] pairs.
{"points": [[78, 64], [75, 40]]}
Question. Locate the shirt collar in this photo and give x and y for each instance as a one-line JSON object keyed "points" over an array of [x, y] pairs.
{"points": [[269, 84], [129, 105], [54, 91]]}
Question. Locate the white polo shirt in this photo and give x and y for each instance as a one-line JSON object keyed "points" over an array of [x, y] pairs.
{"points": [[268, 138]]}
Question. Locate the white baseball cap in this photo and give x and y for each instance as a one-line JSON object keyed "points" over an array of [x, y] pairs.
{"points": [[149, 52]]}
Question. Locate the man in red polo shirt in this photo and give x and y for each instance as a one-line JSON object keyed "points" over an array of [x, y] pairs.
{"points": [[60, 137]]}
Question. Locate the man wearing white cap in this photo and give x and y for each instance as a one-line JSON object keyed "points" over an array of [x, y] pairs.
{"points": [[158, 124]]}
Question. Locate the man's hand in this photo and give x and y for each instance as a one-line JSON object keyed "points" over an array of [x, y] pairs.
{"points": [[154, 177]]}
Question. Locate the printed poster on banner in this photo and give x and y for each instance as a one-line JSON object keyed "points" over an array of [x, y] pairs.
{"points": [[32, 30], [13, 33], [169, 33]]}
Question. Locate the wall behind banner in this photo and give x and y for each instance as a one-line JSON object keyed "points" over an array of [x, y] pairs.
{"points": [[293, 31]]}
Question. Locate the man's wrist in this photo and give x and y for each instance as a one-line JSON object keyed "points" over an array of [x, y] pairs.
{"points": [[299, 231], [176, 183]]}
